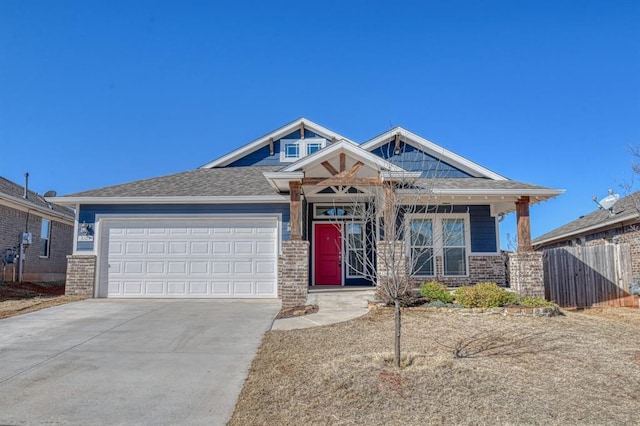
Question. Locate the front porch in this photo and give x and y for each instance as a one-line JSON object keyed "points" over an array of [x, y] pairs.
{"points": [[348, 206]]}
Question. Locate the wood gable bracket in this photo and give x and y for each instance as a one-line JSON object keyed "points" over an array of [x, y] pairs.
{"points": [[342, 177], [271, 149], [396, 149]]}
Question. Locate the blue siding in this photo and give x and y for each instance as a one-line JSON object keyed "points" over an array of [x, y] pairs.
{"points": [[483, 226], [483, 230], [262, 157], [411, 158], [88, 212]]}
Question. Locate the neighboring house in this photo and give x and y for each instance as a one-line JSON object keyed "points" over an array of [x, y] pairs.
{"points": [[51, 229], [267, 219], [621, 224]]}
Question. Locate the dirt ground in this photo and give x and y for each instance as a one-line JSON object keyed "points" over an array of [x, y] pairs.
{"points": [[20, 298], [580, 368]]}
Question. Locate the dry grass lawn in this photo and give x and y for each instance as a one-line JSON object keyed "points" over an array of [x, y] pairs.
{"points": [[581, 368]]}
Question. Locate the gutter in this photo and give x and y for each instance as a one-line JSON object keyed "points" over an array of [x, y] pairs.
{"points": [[71, 200]]}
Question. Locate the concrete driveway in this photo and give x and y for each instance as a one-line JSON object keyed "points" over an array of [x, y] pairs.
{"points": [[155, 362]]}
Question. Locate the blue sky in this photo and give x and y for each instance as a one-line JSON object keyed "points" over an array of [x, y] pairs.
{"points": [[98, 93]]}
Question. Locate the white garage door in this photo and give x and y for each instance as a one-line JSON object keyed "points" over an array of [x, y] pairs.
{"points": [[190, 258]]}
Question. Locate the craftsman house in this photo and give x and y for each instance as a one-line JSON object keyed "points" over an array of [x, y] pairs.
{"points": [[47, 230], [281, 213]]}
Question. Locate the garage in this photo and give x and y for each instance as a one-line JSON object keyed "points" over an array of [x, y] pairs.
{"points": [[188, 258]]}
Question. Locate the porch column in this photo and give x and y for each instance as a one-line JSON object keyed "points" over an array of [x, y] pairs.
{"points": [[388, 212], [295, 210], [524, 224]]}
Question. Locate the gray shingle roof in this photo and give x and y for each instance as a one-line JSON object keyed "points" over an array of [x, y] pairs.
{"points": [[250, 181], [625, 207], [216, 182], [477, 183], [16, 193]]}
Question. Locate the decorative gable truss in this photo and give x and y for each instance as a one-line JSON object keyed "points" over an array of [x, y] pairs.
{"points": [[287, 144], [415, 153], [340, 165]]}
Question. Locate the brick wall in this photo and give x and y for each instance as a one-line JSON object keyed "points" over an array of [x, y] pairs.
{"points": [[481, 268], [53, 268], [526, 273], [293, 273], [81, 275]]}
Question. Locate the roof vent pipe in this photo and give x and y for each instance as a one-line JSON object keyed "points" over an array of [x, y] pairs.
{"points": [[26, 186]]}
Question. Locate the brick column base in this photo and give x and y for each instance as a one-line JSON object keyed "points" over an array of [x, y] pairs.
{"points": [[81, 275], [293, 273], [526, 273], [392, 267]]}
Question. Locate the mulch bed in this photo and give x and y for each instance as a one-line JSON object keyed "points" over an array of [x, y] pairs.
{"points": [[297, 311]]}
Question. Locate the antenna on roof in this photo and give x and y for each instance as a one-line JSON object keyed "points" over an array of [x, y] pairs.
{"points": [[607, 202]]}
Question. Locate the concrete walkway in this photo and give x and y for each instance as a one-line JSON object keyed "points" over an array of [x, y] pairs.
{"points": [[335, 305]]}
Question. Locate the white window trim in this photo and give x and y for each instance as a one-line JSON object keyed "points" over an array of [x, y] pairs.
{"points": [[302, 147], [345, 248], [438, 249]]}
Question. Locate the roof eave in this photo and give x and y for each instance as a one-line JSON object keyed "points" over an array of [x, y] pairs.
{"points": [[28, 205], [538, 194], [280, 180], [255, 199]]}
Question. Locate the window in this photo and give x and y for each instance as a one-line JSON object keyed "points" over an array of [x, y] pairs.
{"points": [[337, 210], [45, 237], [294, 149], [313, 147], [291, 150], [355, 249], [453, 247], [438, 235], [421, 231]]}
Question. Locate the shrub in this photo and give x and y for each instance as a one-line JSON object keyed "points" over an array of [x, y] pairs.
{"points": [[485, 295], [535, 302], [433, 290]]}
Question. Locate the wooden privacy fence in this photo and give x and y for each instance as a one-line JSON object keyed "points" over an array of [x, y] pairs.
{"points": [[582, 277]]}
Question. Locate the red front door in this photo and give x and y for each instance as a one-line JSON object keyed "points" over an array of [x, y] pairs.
{"points": [[328, 254]]}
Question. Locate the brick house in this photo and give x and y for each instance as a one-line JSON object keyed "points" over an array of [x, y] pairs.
{"points": [[51, 228], [300, 206], [621, 224]]}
